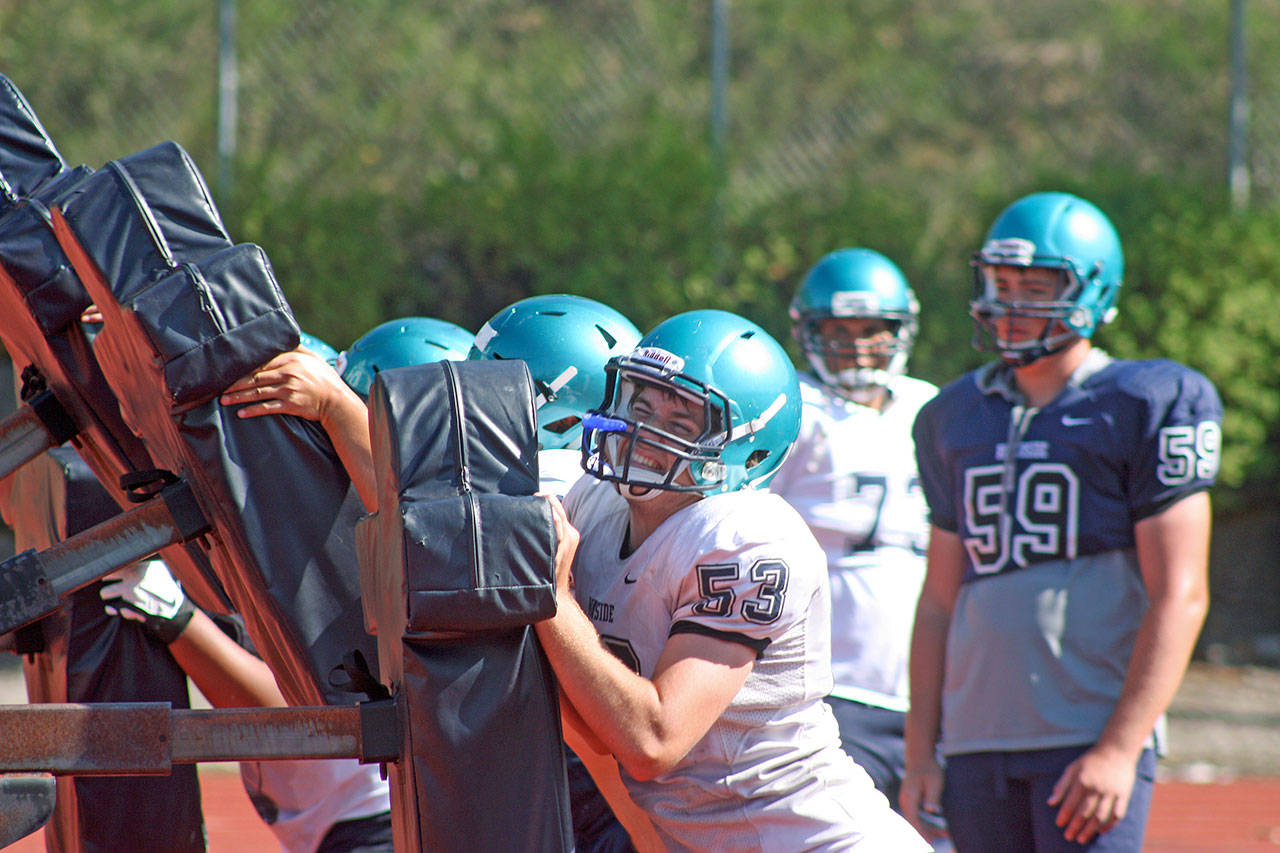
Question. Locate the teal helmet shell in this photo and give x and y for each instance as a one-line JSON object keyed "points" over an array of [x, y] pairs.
{"points": [[745, 381], [401, 343], [319, 347], [566, 341]]}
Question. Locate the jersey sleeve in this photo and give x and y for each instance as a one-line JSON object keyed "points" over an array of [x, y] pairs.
{"points": [[1181, 440], [808, 442], [750, 595], [798, 459], [930, 465]]}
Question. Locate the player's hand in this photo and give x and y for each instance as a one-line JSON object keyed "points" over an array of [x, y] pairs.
{"points": [[145, 592], [920, 800], [297, 382], [566, 546], [1093, 793]]}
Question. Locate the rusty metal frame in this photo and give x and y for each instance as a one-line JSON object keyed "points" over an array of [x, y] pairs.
{"points": [[34, 582], [148, 738]]}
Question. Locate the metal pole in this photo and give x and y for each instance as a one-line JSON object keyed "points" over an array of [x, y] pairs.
{"points": [[23, 437], [228, 85], [86, 739], [719, 78], [1237, 166], [720, 125]]}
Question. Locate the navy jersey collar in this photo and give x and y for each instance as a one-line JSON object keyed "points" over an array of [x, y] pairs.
{"points": [[997, 377]]}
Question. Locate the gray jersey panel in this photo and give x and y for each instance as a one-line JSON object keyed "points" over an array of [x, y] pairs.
{"points": [[1036, 658]]}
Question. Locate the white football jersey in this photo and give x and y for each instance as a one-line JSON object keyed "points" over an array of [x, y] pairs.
{"points": [[852, 476], [301, 800], [742, 566], [558, 470]]}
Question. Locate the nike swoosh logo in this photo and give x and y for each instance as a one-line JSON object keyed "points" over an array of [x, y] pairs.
{"points": [[1069, 421], [627, 579]]}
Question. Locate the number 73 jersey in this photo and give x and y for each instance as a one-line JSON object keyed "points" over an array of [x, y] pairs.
{"points": [[1020, 486]]}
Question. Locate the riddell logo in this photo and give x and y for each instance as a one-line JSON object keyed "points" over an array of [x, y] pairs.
{"points": [[667, 362], [1011, 250]]}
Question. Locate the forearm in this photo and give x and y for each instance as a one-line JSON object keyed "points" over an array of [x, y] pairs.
{"points": [[346, 421], [1161, 651], [927, 663], [619, 707], [228, 675], [1173, 557], [925, 669]]}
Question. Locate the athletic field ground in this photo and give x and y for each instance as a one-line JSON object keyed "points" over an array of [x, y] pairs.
{"points": [[1219, 789]]}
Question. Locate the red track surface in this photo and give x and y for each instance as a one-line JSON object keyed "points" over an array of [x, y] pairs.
{"points": [[1240, 817]]}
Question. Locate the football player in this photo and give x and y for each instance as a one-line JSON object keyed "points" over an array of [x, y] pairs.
{"points": [[852, 477], [1067, 562], [692, 630], [334, 804]]}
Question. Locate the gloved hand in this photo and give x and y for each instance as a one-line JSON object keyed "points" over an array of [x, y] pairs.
{"points": [[145, 592]]}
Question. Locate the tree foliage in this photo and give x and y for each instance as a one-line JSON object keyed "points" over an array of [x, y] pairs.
{"points": [[445, 159]]}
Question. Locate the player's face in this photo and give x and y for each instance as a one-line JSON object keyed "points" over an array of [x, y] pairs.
{"points": [[868, 338], [666, 411], [666, 425], [1028, 286]]}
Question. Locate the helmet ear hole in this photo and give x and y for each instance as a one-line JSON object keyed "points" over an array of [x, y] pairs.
{"points": [[563, 425], [756, 457]]}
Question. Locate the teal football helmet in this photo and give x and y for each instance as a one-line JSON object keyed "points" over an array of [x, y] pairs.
{"points": [[1060, 232], [319, 347], [566, 341], [739, 375], [857, 283], [401, 343]]}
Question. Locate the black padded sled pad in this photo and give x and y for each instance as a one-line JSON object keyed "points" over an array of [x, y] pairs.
{"points": [[28, 157], [468, 548], [41, 298], [142, 216], [456, 565], [281, 504]]}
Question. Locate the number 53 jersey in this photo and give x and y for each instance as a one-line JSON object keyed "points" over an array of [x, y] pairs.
{"points": [[1045, 502], [742, 567]]}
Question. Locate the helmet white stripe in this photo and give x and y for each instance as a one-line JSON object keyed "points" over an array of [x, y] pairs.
{"points": [[760, 422], [556, 384], [485, 335]]}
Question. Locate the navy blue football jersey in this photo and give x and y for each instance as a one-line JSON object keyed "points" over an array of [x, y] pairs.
{"points": [[1020, 486]]}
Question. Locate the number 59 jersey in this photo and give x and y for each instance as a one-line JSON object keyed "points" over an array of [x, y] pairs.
{"points": [[743, 567], [1021, 486]]}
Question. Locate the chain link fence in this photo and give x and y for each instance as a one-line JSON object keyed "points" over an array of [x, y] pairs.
{"points": [[377, 91]]}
